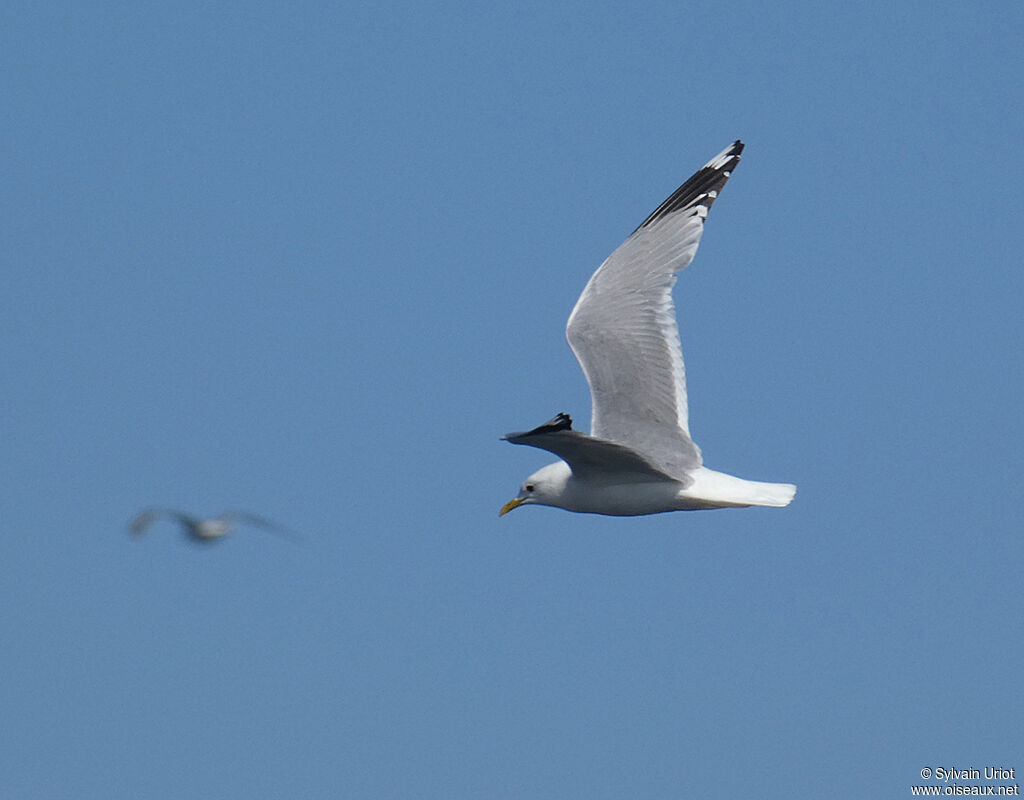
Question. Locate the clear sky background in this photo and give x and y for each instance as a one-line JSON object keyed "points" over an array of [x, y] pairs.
{"points": [[313, 259]]}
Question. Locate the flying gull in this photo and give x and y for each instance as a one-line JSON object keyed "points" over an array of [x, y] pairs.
{"points": [[206, 529], [639, 457]]}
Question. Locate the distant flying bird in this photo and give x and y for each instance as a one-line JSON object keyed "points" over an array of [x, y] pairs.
{"points": [[205, 529], [639, 457]]}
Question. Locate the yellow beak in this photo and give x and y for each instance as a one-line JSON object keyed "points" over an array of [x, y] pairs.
{"points": [[514, 503]]}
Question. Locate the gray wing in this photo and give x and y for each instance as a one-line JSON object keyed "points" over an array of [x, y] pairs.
{"points": [[587, 456], [623, 329], [144, 519], [245, 517]]}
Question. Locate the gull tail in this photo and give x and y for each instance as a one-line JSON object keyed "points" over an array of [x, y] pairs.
{"points": [[775, 495], [711, 489]]}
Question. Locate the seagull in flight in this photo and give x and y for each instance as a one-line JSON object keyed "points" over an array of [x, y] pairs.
{"points": [[202, 529], [639, 457]]}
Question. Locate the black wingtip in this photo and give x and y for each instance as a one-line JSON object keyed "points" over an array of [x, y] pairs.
{"points": [[701, 189], [559, 422]]}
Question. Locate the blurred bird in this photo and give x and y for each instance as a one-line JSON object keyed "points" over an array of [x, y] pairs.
{"points": [[205, 529]]}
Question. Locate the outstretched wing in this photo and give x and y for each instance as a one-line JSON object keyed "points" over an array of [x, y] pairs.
{"points": [[623, 329], [145, 518], [245, 517], [586, 455]]}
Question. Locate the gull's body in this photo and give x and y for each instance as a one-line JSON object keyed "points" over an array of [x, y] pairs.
{"points": [[203, 529], [639, 458]]}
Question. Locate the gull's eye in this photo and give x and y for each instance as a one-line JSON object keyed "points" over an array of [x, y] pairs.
{"points": [[529, 487]]}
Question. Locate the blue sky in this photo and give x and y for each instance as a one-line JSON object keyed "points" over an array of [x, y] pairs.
{"points": [[312, 260]]}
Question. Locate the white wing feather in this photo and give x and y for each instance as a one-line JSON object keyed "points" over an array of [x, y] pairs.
{"points": [[624, 334]]}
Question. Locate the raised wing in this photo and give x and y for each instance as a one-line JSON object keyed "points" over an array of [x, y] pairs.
{"points": [[587, 456], [623, 329]]}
